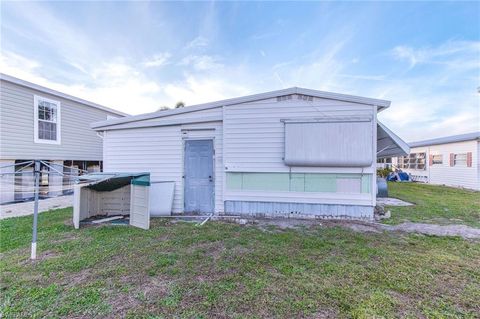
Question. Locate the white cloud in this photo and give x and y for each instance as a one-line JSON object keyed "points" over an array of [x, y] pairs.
{"points": [[420, 110], [265, 35], [319, 71], [119, 85], [448, 53], [69, 42], [114, 84], [159, 59], [196, 90], [202, 62], [437, 101], [198, 42], [13, 63]]}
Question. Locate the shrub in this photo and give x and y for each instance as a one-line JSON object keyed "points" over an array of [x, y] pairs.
{"points": [[383, 172]]}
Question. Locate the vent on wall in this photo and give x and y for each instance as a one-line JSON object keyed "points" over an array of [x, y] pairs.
{"points": [[284, 98], [292, 96], [304, 97]]}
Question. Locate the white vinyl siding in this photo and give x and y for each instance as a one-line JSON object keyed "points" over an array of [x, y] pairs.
{"points": [[443, 173], [159, 151], [254, 140]]}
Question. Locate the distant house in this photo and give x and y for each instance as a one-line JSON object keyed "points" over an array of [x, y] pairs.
{"points": [[289, 152], [452, 161], [40, 123]]}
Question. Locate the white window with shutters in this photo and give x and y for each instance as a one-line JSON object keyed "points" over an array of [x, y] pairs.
{"points": [[46, 120], [460, 159]]}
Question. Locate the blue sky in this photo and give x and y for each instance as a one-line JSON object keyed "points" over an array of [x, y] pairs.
{"points": [[139, 56]]}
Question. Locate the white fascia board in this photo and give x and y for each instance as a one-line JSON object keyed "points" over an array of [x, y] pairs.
{"points": [[380, 104], [447, 139], [168, 122], [11, 79]]}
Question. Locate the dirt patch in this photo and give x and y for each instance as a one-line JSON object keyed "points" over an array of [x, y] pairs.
{"points": [[68, 237], [284, 223], [40, 257], [324, 313], [463, 231], [71, 280], [144, 292], [46, 255], [359, 227]]}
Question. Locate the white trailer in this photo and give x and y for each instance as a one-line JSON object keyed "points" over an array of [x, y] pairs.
{"points": [[292, 152], [451, 160]]}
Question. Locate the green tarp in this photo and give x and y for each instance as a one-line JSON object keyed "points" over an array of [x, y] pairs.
{"points": [[105, 182]]}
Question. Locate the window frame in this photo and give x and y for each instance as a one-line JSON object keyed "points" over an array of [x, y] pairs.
{"points": [[464, 161], [413, 161], [438, 163], [36, 100]]}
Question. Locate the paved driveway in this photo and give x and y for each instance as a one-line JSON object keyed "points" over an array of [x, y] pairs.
{"points": [[26, 208]]}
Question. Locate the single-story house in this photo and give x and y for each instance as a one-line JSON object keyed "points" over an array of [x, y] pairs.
{"points": [[452, 161], [288, 152]]}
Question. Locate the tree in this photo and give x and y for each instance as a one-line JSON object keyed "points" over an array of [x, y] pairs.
{"points": [[163, 108], [179, 104]]}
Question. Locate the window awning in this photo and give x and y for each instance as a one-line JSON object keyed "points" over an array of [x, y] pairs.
{"points": [[389, 144]]}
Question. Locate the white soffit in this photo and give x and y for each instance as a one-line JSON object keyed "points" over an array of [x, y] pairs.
{"points": [[389, 144]]}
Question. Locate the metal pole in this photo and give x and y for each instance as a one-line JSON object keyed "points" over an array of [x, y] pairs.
{"points": [[35, 210]]}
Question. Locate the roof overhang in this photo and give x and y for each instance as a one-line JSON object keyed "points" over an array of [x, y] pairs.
{"points": [[447, 139], [107, 125], [389, 144]]}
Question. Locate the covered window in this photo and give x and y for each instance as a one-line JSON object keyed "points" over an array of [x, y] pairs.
{"points": [[460, 159], [329, 141], [437, 159], [47, 121]]}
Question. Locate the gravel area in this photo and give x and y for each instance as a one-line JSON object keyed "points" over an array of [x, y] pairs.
{"points": [[390, 201]]}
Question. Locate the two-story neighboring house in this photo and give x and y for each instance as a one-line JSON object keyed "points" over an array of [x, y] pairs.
{"points": [[37, 123]]}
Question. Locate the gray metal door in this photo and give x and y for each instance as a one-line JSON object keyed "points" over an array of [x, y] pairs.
{"points": [[199, 181]]}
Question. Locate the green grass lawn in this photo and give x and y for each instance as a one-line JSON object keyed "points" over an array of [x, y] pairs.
{"points": [[435, 204], [227, 270]]}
